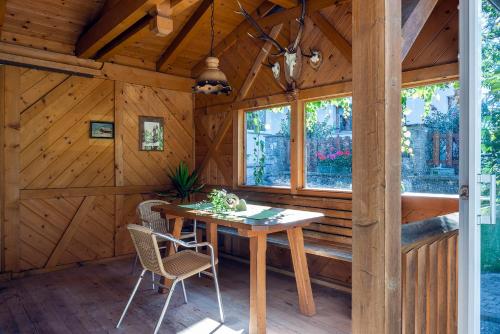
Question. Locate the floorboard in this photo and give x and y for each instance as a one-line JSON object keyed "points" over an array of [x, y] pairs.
{"points": [[90, 299]]}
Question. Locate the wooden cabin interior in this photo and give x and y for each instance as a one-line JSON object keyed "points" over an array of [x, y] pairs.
{"points": [[68, 194]]}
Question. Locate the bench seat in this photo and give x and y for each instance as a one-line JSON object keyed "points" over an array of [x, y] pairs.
{"points": [[332, 250]]}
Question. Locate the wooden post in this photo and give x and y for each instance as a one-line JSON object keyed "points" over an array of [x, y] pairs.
{"points": [[10, 187], [297, 146], [376, 286]]}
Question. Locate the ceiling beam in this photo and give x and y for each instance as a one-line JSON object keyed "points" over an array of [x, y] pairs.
{"points": [[178, 6], [142, 29], [3, 10], [333, 35], [285, 3], [414, 24], [111, 24], [184, 36], [293, 13], [254, 71]]}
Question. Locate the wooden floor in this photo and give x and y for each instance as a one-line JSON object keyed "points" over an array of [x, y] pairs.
{"points": [[90, 299]]}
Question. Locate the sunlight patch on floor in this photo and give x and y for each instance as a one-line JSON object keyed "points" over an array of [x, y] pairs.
{"points": [[209, 326]]}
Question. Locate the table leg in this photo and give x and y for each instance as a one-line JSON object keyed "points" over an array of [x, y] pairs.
{"points": [[212, 237], [176, 233], [258, 244], [306, 300]]}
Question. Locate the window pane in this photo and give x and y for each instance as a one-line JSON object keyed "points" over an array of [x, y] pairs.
{"points": [[430, 138], [328, 151], [267, 149]]}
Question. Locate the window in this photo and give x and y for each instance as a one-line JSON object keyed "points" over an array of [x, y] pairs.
{"points": [[429, 142], [267, 147], [328, 144]]}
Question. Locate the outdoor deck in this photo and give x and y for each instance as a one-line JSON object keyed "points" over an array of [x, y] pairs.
{"points": [[89, 299]]}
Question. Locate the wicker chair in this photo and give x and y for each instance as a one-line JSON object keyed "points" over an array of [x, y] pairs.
{"points": [[153, 220], [176, 267]]}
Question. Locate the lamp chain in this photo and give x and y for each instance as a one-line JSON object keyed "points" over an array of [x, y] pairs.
{"points": [[212, 31]]}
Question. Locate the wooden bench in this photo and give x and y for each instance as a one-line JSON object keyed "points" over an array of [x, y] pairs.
{"points": [[330, 250]]}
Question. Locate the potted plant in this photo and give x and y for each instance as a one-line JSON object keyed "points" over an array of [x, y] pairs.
{"points": [[185, 184]]}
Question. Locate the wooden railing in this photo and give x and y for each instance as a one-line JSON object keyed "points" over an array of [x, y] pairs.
{"points": [[429, 275]]}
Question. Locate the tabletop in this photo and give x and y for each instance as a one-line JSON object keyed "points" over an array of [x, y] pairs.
{"points": [[255, 218]]}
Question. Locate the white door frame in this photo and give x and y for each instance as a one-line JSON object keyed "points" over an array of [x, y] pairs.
{"points": [[469, 166]]}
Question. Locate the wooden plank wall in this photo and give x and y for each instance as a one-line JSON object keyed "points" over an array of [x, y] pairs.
{"points": [[67, 198]]}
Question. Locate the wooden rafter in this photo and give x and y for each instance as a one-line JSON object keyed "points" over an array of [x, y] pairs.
{"points": [[333, 35], [414, 24], [111, 24], [70, 231], [3, 7], [184, 36], [292, 13], [137, 32], [285, 3], [254, 71], [178, 6]]}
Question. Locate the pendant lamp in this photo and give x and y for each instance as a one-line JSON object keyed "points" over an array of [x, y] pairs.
{"points": [[212, 80]]}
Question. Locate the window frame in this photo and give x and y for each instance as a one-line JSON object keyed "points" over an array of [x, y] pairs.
{"points": [[297, 149], [241, 165]]}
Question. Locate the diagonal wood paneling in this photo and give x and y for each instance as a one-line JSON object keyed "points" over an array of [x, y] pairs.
{"points": [[56, 151], [151, 168], [44, 221]]}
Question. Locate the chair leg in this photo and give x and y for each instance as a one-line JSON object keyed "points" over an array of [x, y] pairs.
{"points": [[158, 324], [135, 264], [153, 279], [219, 299], [195, 235], [184, 291], [131, 297]]}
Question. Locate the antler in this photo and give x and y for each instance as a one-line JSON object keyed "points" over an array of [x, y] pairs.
{"points": [[301, 21], [263, 35]]}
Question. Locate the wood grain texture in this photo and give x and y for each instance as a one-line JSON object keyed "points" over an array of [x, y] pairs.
{"points": [[429, 291], [258, 322], [301, 270], [36, 303], [59, 166], [376, 166], [10, 98]]}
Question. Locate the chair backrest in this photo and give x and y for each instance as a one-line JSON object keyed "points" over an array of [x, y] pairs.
{"points": [[151, 218], [147, 249]]}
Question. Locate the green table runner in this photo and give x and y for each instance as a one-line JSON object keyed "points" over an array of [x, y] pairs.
{"points": [[253, 211]]}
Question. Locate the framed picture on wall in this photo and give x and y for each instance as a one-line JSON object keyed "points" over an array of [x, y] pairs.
{"points": [[100, 129], [150, 133]]}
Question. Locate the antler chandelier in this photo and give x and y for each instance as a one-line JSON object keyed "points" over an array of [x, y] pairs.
{"points": [[212, 80]]}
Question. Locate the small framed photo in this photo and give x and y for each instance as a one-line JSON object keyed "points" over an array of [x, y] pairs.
{"points": [[150, 133], [104, 130]]}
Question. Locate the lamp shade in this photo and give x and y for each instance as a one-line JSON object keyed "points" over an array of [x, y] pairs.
{"points": [[212, 80]]}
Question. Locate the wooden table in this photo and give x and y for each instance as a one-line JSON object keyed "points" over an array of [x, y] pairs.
{"points": [[256, 230]]}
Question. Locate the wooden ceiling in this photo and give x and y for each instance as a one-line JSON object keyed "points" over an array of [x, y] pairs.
{"points": [[73, 26]]}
